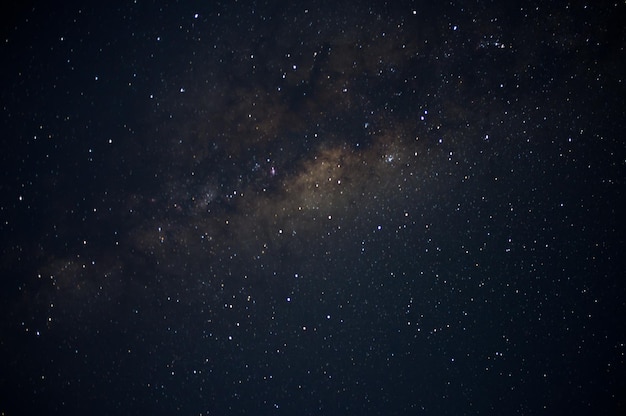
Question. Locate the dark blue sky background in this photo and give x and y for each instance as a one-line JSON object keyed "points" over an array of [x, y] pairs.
{"points": [[313, 208]]}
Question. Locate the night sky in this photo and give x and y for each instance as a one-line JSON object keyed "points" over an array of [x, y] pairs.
{"points": [[313, 208]]}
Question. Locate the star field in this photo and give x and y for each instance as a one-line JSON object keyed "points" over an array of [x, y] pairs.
{"points": [[313, 208]]}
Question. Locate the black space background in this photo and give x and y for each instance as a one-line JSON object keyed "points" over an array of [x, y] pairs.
{"points": [[321, 208]]}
